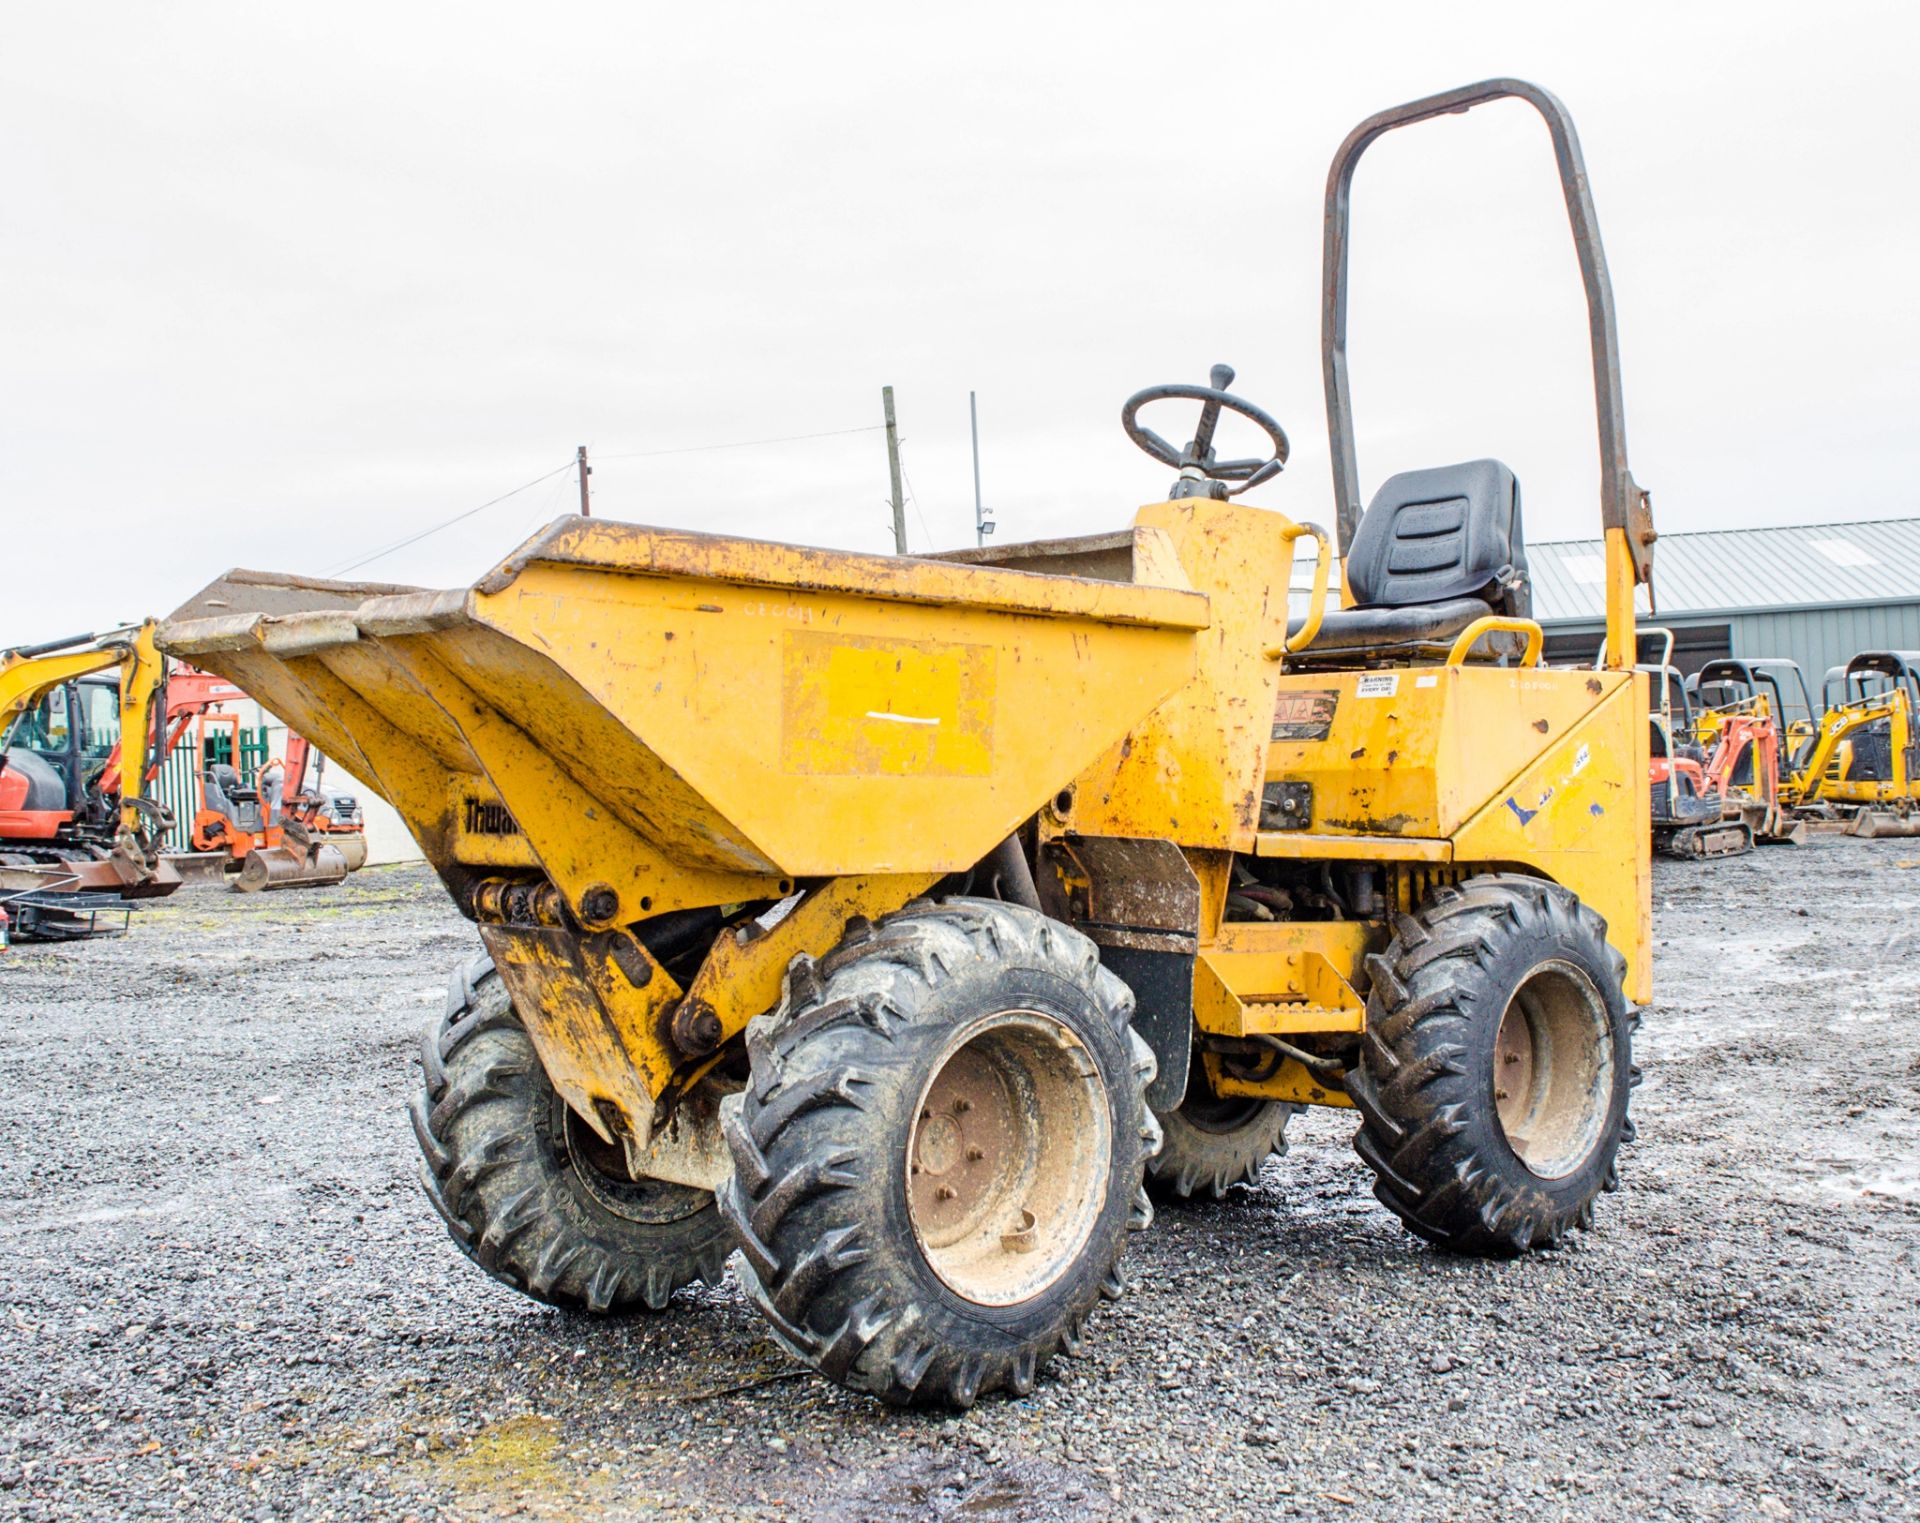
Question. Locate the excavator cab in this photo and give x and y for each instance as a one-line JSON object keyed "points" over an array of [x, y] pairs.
{"points": [[78, 833]]}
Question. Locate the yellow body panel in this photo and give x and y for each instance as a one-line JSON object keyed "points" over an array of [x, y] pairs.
{"points": [[816, 732], [1191, 773], [1418, 751]]}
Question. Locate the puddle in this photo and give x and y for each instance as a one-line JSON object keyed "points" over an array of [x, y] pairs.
{"points": [[1899, 1181]]}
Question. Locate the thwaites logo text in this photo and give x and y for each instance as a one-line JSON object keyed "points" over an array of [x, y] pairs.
{"points": [[485, 819]]}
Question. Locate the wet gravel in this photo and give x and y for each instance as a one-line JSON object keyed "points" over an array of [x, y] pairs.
{"points": [[225, 1296]]}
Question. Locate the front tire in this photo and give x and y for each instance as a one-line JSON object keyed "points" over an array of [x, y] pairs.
{"points": [[1496, 1067], [529, 1191], [940, 1153]]}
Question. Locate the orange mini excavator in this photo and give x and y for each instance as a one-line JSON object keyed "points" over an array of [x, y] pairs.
{"points": [[278, 829]]}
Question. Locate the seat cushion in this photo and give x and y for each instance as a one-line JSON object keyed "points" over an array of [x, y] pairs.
{"points": [[1379, 629], [1436, 535]]}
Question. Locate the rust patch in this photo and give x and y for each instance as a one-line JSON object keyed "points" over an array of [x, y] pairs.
{"points": [[1391, 825], [1593, 686], [1542, 726]]}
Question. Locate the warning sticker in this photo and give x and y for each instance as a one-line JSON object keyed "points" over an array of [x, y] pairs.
{"points": [[1377, 685], [1305, 715]]}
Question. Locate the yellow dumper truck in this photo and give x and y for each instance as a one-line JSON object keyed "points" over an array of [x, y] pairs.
{"points": [[896, 921]]}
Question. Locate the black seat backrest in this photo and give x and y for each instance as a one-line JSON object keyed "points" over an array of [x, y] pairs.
{"points": [[1450, 532]]}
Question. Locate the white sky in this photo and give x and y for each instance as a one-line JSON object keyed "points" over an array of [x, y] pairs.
{"points": [[280, 286]]}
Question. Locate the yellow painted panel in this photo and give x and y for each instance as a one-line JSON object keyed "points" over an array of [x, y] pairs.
{"points": [[1191, 772], [1303, 846], [1280, 978], [582, 843], [1416, 751], [865, 707], [484, 831], [1580, 814], [706, 682]]}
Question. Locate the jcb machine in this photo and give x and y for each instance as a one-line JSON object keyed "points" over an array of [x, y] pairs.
{"points": [[1863, 765], [895, 920], [78, 833]]}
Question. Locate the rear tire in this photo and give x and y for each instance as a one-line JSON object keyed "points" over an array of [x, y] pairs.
{"points": [[940, 1152], [1215, 1142], [1496, 1067], [529, 1192]]}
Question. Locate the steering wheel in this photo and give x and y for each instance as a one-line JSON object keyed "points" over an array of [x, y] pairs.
{"points": [[1200, 474]]}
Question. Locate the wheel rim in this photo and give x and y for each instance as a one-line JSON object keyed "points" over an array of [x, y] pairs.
{"points": [[600, 1168], [1007, 1166], [1553, 1069]]}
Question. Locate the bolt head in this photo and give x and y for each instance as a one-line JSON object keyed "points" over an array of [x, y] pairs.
{"points": [[599, 904]]}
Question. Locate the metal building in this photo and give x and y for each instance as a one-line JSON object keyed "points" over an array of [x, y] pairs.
{"points": [[1815, 593]]}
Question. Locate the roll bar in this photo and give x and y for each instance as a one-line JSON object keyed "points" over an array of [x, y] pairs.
{"points": [[1623, 504]]}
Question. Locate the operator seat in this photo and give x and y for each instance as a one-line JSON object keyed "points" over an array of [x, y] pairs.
{"points": [[1435, 550]]}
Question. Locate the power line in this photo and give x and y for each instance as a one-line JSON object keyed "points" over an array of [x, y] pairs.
{"points": [[697, 449], [692, 449], [414, 539]]}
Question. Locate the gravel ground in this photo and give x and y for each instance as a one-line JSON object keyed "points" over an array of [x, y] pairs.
{"points": [[226, 1296]]}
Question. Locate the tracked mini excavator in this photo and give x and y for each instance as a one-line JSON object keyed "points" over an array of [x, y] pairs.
{"points": [[79, 837], [1690, 815], [1863, 765], [894, 921], [278, 828]]}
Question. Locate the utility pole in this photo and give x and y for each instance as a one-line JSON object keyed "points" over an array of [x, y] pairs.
{"points": [[580, 459], [893, 469], [982, 525]]}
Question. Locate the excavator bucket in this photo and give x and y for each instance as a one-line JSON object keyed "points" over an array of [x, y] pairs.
{"points": [[1876, 824], [319, 865]]}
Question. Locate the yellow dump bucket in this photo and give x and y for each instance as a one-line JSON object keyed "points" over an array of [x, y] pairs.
{"points": [[659, 720]]}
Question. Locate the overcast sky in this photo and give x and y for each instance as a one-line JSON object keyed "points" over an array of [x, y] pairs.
{"points": [[280, 286]]}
